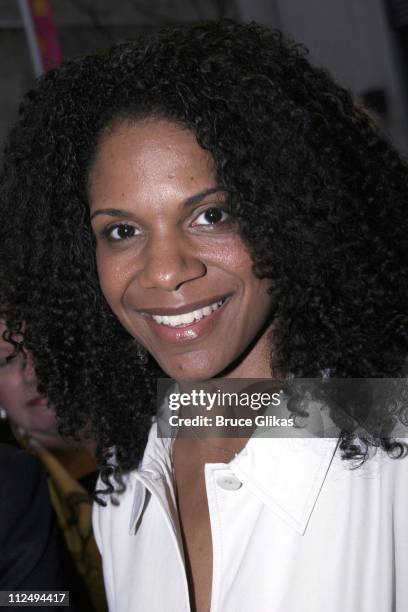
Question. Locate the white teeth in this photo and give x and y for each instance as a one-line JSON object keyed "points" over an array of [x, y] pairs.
{"points": [[198, 314], [184, 319], [188, 317]]}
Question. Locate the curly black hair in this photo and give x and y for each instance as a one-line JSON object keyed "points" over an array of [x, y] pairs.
{"points": [[321, 199]]}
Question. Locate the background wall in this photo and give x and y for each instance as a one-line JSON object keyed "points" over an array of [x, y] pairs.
{"points": [[85, 26], [355, 39]]}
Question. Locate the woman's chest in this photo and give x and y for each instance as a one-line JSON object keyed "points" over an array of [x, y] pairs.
{"points": [[350, 554]]}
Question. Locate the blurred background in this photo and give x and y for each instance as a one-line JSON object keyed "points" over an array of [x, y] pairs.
{"points": [[364, 43]]}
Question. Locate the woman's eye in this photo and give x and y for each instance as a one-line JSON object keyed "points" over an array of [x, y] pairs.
{"points": [[212, 216], [5, 361], [121, 231]]}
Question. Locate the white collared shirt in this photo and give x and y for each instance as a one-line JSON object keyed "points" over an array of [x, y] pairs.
{"points": [[294, 529]]}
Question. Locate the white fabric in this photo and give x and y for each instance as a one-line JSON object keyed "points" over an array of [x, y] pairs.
{"points": [[294, 529]]}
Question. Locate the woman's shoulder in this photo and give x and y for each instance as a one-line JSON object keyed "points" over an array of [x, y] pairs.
{"points": [[383, 469]]}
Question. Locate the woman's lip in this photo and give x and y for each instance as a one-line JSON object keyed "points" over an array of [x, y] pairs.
{"points": [[189, 332], [171, 312], [39, 400]]}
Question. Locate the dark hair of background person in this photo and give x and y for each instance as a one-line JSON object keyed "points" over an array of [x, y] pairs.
{"points": [[320, 196]]}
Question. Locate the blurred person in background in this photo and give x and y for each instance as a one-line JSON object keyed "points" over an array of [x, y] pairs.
{"points": [[30, 420]]}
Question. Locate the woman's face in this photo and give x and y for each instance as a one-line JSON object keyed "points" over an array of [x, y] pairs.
{"points": [[25, 407], [171, 263]]}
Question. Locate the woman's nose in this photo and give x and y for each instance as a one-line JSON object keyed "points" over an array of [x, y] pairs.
{"points": [[28, 368], [169, 263]]}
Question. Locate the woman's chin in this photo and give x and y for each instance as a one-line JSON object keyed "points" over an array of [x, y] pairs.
{"points": [[185, 371]]}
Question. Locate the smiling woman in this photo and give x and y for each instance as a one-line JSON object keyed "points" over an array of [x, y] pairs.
{"points": [[205, 203]]}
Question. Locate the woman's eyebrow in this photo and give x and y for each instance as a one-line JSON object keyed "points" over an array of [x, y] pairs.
{"points": [[194, 199], [111, 212]]}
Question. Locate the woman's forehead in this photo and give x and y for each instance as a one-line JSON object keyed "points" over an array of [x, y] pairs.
{"points": [[149, 157], [151, 137]]}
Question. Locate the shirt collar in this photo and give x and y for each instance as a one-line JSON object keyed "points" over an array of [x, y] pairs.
{"points": [[154, 468], [286, 474]]}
